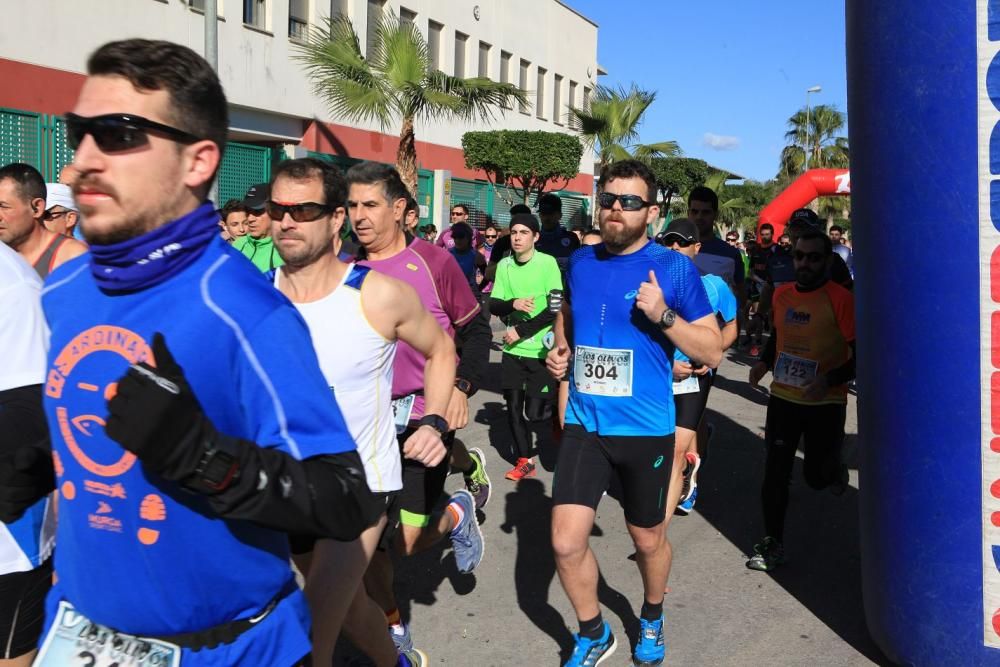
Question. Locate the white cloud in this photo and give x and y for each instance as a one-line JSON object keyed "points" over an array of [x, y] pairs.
{"points": [[720, 142]]}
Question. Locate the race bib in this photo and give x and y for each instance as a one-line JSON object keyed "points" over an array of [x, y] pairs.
{"points": [[401, 410], [74, 641], [601, 372], [794, 371], [687, 386]]}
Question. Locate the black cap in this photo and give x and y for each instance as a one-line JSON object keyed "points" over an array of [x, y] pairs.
{"points": [[520, 208], [256, 197], [684, 228], [550, 203], [526, 219], [804, 216]]}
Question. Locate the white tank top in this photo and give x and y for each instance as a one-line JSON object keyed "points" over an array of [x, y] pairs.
{"points": [[357, 363]]}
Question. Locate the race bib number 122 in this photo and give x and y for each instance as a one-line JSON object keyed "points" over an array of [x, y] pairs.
{"points": [[602, 372]]}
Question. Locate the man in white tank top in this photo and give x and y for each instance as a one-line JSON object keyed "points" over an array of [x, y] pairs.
{"points": [[355, 316]]}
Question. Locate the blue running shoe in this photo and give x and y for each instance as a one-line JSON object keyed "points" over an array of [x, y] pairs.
{"points": [[412, 658], [592, 652], [466, 538], [650, 649], [685, 507]]}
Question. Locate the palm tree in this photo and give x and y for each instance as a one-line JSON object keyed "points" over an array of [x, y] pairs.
{"points": [[826, 148], [611, 125], [398, 83]]}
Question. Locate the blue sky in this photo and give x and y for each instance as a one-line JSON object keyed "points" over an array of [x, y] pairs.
{"points": [[728, 73]]}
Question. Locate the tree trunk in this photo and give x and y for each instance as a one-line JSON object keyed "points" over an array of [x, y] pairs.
{"points": [[406, 156]]}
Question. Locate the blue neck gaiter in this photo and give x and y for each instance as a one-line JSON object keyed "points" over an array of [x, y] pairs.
{"points": [[149, 259]]}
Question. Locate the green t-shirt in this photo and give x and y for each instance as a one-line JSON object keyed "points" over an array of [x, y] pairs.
{"points": [[535, 278], [261, 252]]}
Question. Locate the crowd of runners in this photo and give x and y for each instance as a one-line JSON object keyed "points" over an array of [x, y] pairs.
{"points": [[183, 429]]}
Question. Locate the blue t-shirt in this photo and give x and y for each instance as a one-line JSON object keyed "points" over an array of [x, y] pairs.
{"points": [[723, 304], [138, 553], [606, 322]]}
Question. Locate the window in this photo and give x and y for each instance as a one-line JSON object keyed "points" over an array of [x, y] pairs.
{"points": [[460, 42], [522, 83], [586, 98], [298, 19], [540, 93], [338, 8], [197, 4], [557, 99], [371, 33], [505, 73], [571, 101], [254, 13], [406, 16], [434, 31], [484, 60]]}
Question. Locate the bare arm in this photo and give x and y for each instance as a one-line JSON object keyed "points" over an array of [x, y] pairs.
{"points": [[729, 333], [699, 340]]}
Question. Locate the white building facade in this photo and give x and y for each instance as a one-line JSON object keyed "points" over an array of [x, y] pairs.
{"points": [[543, 46]]}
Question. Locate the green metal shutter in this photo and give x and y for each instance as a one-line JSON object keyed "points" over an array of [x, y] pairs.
{"points": [[21, 138], [477, 196], [425, 195], [574, 211], [243, 165], [61, 154]]}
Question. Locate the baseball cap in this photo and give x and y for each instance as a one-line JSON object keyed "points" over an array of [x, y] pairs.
{"points": [[550, 203], [684, 228], [256, 197], [804, 216], [526, 219], [57, 194]]}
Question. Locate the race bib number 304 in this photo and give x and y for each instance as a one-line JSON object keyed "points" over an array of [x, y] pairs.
{"points": [[602, 372], [74, 641], [794, 371]]}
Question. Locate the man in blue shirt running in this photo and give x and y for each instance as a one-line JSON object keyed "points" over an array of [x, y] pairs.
{"points": [[622, 328], [191, 427]]}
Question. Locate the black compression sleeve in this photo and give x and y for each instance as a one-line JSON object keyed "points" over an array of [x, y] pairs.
{"points": [[473, 340], [770, 349], [530, 327], [845, 372], [323, 496], [501, 308]]}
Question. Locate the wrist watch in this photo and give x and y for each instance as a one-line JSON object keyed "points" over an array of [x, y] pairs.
{"points": [[218, 468], [464, 386], [436, 422], [668, 318]]}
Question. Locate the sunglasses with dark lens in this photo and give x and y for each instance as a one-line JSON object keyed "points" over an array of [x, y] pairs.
{"points": [[55, 215], [607, 200], [455, 214], [490, 237], [811, 257], [115, 132], [304, 212], [672, 241]]}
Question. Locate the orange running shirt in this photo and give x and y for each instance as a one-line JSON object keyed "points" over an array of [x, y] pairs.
{"points": [[814, 331]]}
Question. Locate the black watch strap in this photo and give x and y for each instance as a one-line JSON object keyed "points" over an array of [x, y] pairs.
{"points": [[436, 422], [464, 386]]}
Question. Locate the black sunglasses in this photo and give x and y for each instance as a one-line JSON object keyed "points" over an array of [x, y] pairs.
{"points": [[304, 212], [672, 240], [607, 200], [811, 257], [115, 132]]}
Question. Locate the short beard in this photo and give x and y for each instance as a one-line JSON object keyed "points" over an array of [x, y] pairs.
{"points": [[306, 256], [623, 239]]}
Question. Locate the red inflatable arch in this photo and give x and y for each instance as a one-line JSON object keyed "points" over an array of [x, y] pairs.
{"points": [[810, 185]]}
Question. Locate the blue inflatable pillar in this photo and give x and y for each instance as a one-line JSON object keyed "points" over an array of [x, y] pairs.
{"points": [[923, 102]]}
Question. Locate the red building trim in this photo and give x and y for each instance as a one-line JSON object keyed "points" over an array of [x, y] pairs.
{"points": [[51, 91]]}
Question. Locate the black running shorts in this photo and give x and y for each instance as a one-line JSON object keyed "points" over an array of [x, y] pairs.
{"points": [[690, 407], [22, 609], [587, 460], [529, 374], [422, 486]]}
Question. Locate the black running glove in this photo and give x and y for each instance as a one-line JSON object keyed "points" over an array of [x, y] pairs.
{"points": [[26, 476], [156, 416]]}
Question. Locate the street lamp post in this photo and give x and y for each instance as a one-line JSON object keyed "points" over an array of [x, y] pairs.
{"points": [[814, 89], [212, 56]]}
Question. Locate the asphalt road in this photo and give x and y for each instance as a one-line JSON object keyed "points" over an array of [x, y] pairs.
{"points": [[512, 610]]}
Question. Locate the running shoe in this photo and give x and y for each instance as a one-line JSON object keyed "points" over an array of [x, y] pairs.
{"points": [[478, 482], [688, 483], [400, 634], [768, 555], [687, 506], [650, 649], [592, 652], [523, 468], [466, 538], [413, 658]]}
